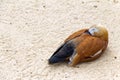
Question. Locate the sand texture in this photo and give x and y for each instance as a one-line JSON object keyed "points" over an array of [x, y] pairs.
{"points": [[31, 30]]}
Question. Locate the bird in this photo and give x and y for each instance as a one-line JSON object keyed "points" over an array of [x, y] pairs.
{"points": [[82, 46]]}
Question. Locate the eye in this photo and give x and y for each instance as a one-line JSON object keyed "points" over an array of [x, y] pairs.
{"points": [[93, 29]]}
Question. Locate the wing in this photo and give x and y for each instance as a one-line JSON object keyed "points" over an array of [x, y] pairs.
{"points": [[62, 53], [58, 49], [76, 34], [66, 49], [87, 49]]}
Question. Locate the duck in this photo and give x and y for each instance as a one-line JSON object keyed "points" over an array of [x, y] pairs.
{"points": [[82, 46]]}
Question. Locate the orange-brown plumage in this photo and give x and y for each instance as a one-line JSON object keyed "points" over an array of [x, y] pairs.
{"points": [[81, 46]]}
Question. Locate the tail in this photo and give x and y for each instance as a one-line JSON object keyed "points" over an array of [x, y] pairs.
{"points": [[63, 52]]}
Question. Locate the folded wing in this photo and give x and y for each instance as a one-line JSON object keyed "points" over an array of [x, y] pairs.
{"points": [[66, 49], [87, 49]]}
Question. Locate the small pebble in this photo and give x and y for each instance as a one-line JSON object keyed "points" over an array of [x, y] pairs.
{"points": [[95, 6], [82, 2], [44, 6], [115, 57]]}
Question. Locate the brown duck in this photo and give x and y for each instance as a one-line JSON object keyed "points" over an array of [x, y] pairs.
{"points": [[82, 46]]}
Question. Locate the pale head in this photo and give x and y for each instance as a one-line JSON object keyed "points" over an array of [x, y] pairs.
{"points": [[99, 31]]}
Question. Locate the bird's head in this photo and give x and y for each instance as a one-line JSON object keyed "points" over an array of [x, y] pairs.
{"points": [[99, 31]]}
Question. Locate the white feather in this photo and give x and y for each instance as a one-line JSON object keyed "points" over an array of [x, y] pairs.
{"points": [[92, 30], [99, 52]]}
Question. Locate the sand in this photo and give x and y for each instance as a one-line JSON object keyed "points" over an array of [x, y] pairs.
{"points": [[31, 30]]}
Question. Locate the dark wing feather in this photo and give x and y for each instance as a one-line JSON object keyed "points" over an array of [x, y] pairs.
{"points": [[58, 49], [63, 52]]}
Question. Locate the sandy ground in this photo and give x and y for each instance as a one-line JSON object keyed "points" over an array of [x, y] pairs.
{"points": [[31, 30]]}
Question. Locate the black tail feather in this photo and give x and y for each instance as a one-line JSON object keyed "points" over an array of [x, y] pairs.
{"points": [[65, 51]]}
